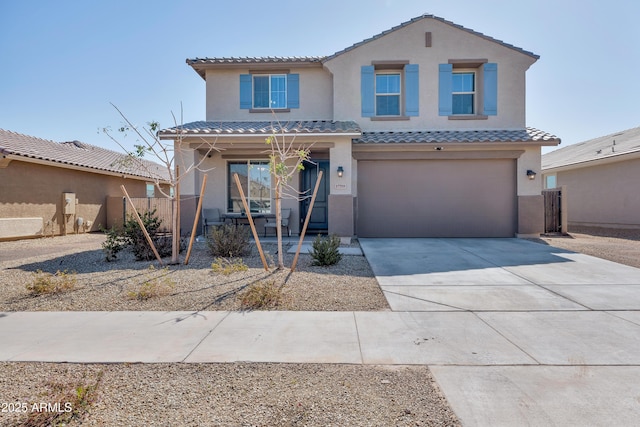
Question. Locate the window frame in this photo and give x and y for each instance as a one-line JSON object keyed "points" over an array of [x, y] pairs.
{"points": [[247, 189], [269, 77], [399, 94], [473, 93]]}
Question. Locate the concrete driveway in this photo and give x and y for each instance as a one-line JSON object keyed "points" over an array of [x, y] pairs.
{"points": [[515, 332]]}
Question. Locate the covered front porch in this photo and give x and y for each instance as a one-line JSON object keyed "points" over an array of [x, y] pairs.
{"points": [[222, 149]]}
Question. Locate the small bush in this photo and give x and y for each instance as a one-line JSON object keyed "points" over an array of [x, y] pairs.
{"points": [[261, 295], [325, 250], [115, 243], [228, 241], [154, 287], [131, 236], [227, 267], [47, 283]]}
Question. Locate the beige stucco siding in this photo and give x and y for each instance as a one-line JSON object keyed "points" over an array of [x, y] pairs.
{"points": [[35, 190], [408, 44], [223, 96], [605, 195]]}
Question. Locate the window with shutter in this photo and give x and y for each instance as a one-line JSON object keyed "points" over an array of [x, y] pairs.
{"points": [[390, 90]]}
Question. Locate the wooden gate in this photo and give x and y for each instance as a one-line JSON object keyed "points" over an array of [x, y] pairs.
{"points": [[553, 210]]}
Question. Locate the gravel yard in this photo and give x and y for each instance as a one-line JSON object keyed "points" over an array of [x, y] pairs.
{"points": [[112, 286], [235, 394]]}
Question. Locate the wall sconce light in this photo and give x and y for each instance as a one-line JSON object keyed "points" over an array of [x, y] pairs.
{"points": [[531, 175], [340, 171]]}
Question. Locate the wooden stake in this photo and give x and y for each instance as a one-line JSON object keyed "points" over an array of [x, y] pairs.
{"points": [[306, 221], [141, 224], [253, 227], [195, 221]]}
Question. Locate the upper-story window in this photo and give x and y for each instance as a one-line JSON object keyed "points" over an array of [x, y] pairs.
{"points": [[263, 92], [270, 91], [387, 94], [463, 92], [390, 90], [468, 89]]}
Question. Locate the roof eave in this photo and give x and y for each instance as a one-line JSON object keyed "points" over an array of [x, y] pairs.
{"points": [[200, 65], [72, 166], [618, 157]]}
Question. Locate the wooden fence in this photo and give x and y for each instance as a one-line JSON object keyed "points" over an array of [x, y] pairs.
{"points": [[118, 209]]}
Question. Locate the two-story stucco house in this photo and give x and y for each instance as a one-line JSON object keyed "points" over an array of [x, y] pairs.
{"points": [[420, 132]]}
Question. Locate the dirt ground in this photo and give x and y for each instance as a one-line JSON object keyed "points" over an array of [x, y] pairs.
{"points": [[618, 245]]}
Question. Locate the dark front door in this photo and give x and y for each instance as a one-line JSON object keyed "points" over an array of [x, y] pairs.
{"points": [[319, 220]]}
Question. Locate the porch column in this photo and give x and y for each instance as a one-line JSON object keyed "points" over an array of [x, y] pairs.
{"points": [[341, 195], [530, 199]]}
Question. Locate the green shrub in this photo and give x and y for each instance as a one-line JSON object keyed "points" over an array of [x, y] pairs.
{"points": [[131, 236], [47, 283], [325, 250], [228, 241], [261, 295], [227, 267], [115, 243]]}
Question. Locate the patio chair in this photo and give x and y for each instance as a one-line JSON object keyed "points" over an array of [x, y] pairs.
{"points": [[211, 217], [286, 214]]}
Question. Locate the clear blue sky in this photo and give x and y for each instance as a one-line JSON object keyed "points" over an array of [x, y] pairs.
{"points": [[62, 62]]}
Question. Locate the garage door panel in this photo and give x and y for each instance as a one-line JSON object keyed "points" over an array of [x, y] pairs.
{"points": [[436, 198]]}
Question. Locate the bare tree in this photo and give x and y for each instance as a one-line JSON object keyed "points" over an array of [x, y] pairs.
{"points": [[149, 144], [285, 160]]}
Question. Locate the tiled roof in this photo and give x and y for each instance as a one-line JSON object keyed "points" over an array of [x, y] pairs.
{"points": [[75, 153], [426, 16], [255, 60], [456, 136], [605, 147], [320, 59], [264, 128]]}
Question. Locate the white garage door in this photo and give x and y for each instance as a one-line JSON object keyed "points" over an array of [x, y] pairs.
{"points": [[437, 198]]}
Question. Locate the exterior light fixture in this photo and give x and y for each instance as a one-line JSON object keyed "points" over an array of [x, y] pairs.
{"points": [[340, 171], [531, 175]]}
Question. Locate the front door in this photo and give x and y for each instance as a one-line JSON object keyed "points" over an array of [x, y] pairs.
{"points": [[319, 221]]}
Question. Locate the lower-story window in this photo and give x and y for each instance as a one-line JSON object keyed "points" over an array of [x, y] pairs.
{"points": [[255, 180]]}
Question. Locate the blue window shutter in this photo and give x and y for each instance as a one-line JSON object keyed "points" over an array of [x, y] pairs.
{"points": [[245, 91], [490, 89], [367, 91], [412, 90], [293, 91], [445, 99]]}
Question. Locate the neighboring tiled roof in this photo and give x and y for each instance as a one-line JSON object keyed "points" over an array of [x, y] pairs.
{"points": [[75, 153], [425, 16], [456, 136], [264, 128], [605, 147]]}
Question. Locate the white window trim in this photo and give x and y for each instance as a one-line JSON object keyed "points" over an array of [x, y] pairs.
{"points": [[474, 92], [253, 91], [399, 94]]}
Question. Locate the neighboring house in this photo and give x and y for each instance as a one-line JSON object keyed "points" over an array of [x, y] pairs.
{"points": [[602, 179], [425, 121], [46, 186]]}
